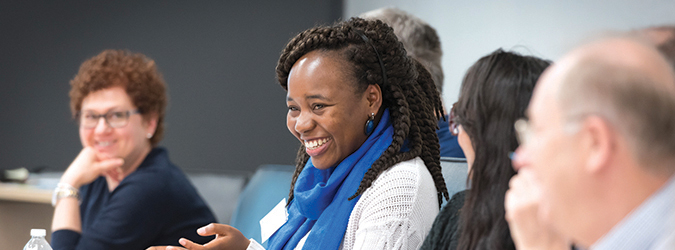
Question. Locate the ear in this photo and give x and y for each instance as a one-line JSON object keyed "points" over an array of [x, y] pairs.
{"points": [[600, 143], [373, 95], [151, 123]]}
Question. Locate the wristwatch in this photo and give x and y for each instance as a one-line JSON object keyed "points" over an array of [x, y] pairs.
{"points": [[64, 190]]}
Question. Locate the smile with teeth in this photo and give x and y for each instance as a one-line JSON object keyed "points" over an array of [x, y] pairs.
{"points": [[313, 144], [103, 143]]}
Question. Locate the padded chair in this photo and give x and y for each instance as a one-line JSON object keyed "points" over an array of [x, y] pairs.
{"points": [[268, 186], [455, 173], [219, 191]]}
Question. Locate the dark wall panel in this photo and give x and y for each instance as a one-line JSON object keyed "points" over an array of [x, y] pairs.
{"points": [[226, 111]]}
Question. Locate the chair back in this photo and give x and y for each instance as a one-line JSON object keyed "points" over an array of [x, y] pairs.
{"points": [[455, 174], [266, 188], [219, 191]]}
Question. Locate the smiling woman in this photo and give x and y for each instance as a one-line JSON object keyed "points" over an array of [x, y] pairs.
{"points": [[322, 114], [368, 169], [117, 193]]}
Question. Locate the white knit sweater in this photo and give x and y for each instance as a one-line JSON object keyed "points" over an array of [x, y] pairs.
{"points": [[396, 212]]}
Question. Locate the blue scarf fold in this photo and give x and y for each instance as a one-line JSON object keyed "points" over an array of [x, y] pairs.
{"points": [[320, 202]]}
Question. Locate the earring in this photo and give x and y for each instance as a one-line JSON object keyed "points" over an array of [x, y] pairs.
{"points": [[370, 124], [149, 135]]}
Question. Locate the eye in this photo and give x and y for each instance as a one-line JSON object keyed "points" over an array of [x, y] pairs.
{"points": [[88, 116], [319, 106], [293, 108], [118, 115]]}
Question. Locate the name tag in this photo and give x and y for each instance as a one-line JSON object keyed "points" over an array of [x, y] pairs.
{"points": [[273, 220]]}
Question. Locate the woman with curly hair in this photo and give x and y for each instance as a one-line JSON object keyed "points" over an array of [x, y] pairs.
{"points": [[120, 191], [494, 94], [368, 171]]}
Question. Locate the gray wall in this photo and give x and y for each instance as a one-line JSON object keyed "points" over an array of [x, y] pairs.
{"points": [[472, 29], [226, 111]]}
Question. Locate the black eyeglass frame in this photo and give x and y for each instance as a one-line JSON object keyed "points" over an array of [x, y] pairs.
{"points": [[106, 117]]}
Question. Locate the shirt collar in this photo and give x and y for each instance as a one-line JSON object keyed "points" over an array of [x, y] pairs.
{"points": [[644, 225]]}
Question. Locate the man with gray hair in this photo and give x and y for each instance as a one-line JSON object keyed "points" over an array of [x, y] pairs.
{"points": [[421, 42], [596, 164]]}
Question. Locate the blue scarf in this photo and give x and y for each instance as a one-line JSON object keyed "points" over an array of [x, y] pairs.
{"points": [[321, 196]]}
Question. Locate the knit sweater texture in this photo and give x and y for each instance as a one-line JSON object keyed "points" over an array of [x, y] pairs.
{"points": [[396, 212]]}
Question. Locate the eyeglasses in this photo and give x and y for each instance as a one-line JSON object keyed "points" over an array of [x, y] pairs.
{"points": [[524, 128], [114, 119], [454, 125]]}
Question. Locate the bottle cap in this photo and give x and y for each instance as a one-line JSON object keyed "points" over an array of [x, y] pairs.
{"points": [[38, 232]]}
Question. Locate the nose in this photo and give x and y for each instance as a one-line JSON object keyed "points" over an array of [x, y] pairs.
{"points": [[304, 123], [101, 126], [519, 158]]}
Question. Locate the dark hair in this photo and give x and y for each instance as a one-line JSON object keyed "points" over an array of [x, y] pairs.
{"points": [[409, 92], [495, 93], [134, 72]]}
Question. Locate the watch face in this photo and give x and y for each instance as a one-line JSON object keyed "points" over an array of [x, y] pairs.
{"points": [[55, 196], [63, 192]]}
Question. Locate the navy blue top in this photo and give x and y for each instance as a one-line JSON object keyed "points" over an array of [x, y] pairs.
{"points": [[154, 205], [449, 145]]}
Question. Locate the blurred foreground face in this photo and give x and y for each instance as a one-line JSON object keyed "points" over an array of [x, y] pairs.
{"points": [[550, 153]]}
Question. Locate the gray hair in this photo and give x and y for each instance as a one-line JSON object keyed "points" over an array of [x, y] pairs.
{"points": [[639, 103], [419, 39]]}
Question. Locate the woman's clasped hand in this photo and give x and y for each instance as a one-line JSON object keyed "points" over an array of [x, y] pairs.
{"points": [[87, 167]]}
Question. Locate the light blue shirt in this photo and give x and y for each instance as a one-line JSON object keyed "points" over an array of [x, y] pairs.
{"points": [[650, 226]]}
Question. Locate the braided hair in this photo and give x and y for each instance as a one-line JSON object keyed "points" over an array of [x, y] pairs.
{"points": [[409, 91]]}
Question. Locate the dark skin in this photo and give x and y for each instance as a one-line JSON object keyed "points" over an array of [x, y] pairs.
{"points": [[324, 112], [227, 237]]}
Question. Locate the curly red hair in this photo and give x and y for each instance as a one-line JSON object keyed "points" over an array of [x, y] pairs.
{"points": [[134, 72]]}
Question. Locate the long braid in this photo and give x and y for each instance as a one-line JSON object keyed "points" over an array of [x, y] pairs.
{"points": [[429, 132], [409, 93]]}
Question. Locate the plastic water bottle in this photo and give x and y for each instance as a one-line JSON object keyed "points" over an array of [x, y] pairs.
{"points": [[37, 240]]}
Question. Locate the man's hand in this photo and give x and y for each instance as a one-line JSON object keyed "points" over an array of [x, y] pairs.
{"points": [[528, 231]]}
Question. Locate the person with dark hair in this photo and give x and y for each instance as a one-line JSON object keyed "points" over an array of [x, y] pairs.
{"points": [[422, 43], [120, 190], [368, 171], [494, 94]]}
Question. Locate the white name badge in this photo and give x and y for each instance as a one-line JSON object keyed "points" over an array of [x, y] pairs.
{"points": [[273, 220]]}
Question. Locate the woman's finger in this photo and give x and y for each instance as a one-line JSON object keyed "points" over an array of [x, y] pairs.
{"points": [[175, 248], [214, 229], [164, 248], [189, 245], [109, 164]]}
